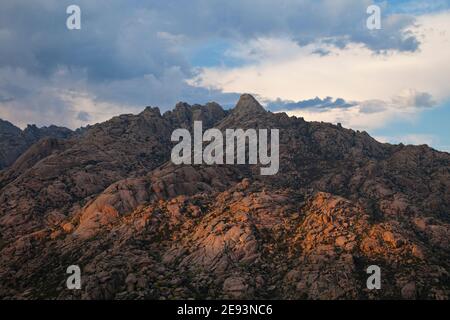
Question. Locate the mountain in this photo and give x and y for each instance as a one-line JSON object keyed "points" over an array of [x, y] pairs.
{"points": [[14, 141], [111, 201]]}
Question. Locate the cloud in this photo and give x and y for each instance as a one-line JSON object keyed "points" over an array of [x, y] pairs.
{"points": [[5, 98], [316, 103], [83, 116], [130, 54], [353, 72], [125, 40], [115, 41], [61, 98], [363, 115]]}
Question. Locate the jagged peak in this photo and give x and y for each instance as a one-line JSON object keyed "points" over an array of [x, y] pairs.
{"points": [[151, 111], [182, 105], [247, 104], [6, 125], [214, 106]]}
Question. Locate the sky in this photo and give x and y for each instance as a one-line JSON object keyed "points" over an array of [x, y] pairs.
{"points": [[309, 58]]}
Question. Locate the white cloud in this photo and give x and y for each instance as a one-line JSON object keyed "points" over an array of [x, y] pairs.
{"points": [[35, 100], [93, 110], [395, 84]]}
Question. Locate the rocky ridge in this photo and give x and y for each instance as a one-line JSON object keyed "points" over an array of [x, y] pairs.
{"points": [[142, 228], [14, 141]]}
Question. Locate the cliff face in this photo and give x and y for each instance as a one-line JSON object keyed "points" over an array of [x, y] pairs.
{"points": [[139, 226]]}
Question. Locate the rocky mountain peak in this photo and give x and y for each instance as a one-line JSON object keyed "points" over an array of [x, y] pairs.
{"points": [[151, 111], [183, 115], [8, 127], [247, 104]]}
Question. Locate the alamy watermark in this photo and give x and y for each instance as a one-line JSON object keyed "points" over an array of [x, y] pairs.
{"points": [[374, 280], [373, 22], [73, 282], [214, 152], [73, 22]]}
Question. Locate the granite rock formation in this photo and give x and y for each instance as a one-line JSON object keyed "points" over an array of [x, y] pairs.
{"points": [[140, 227]]}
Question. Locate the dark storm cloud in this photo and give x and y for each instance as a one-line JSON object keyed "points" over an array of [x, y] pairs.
{"points": [[124, 39], [115, 41]]}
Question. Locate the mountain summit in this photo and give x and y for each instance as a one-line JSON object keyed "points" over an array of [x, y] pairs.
{"points": [[247, 104]]}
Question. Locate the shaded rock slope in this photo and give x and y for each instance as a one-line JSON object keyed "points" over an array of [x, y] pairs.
{"points": [[14, 141], [140, 227]]}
